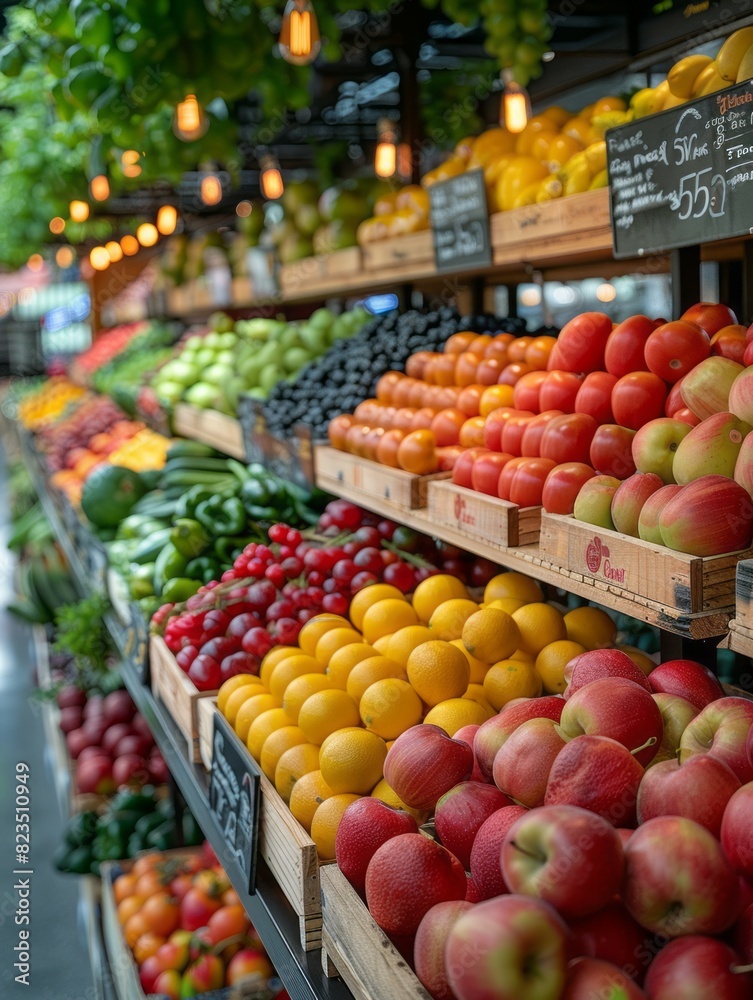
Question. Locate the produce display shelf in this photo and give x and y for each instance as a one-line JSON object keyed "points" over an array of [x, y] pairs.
{"points": [[739, 639], [210, 427], [528, 559]]}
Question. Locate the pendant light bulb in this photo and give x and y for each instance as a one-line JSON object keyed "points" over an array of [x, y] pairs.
{"points": [[211, 189], [78, 211], [272, 185], [167, 219], [385, 157], [189, 121], [300, 40], [100, 188], [516, 104]]}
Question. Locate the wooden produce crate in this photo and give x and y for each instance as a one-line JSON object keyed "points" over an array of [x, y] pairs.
{"points": [[354, 947], [342, 263], [177, 693], [360, 480], [676, 580], [295, 278], [399, 251], [498, 523], [288, 850], [205, 709], [211, 427], [740, 636]]}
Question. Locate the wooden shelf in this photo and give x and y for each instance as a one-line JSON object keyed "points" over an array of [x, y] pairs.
{"points": [[210, 427], [739, 639]]}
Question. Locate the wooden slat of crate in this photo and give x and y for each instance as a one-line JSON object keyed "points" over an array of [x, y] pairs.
{"points": [[342, 263], [242, 291], [212, 427], [744, 594], [578, 212], [399, 250], [205, 710], [122, 964], [674, 579], [403, 490], [497, 522], [295, 278], [177, 693], [371, 966]]}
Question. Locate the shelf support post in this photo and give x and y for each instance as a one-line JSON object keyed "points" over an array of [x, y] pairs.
{"points": [[685, 269]]}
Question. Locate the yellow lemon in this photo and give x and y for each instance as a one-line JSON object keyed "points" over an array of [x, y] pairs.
{"points": [[591, 627], [438, 671], [386, 617], [551, 662], [352, 760], [508, 604], [367, 672], [457, 712], [382, 643], [511, 679], [475, 693], [402, 643], [300, 689], [364, 599], [271, 660], [342, 662], [316, 627], [491, 635], [231, 685], [251, 709], [389, 707], [292, 765], [385, 793], [333, 640], [539, 624], [275, 746], [449, 618], [326, 821], [262, 727], [288, 669], [325, 712], [435, 590], [308, 793], [512, 584], [478, 667]]}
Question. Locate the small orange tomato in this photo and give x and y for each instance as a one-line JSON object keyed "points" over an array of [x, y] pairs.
{"points": [[402, 391], [538, 351], [337, 431], [386, 385], [469, 400], [417, 453], [403, 418], [387, 448], [129, 906], [149, 884], [416, 363], [489, 371], [371, 443], [517, 348], [513, 371], [472, 433], [459, 342], [145, 863], [422, 418], [147, 945], [444, 370], [446, 426], [124, 886], [480, 343], [466, 368], [494, 397]]}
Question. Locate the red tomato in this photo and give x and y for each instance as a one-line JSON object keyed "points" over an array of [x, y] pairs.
{"points": [[466, 368], [558, 391], [355, 437], [512, 372], [485, 472], [371, 442], [512, 435], [563, 485], [611, 451], [417, 453], [526, 391], [489, 370], [495, 423], [568, 438], [687, 416], [506, 477], [624, 351], [748, 356], [461, 472], [729, 342], [674, 400], [673, 349], [710, 316], [447, 457], [595, 396], [638, 398], [386, 452], [423, 418], [469, 400], [446, 426], [528, 481], [530, 446], [581, 343]]}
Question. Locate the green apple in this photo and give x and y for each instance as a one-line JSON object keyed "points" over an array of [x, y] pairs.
{"points": [[314, 339], [205, 357], [202, 395], [226, 357], [218, 374], [270, 375], [656, 444], [170, 392], [228, 341], [594, 502], [295, 358], [212, 340]]}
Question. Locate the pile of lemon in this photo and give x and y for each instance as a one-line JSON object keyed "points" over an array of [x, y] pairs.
{"points": [[321, 716]]}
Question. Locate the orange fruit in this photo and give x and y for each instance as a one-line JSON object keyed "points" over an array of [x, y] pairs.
{"points": [[275, 746], [385, 793], [251, 710], [333, 640], [539, 624], [435, 590], [309, 791], [271, 660], [352, 760], [316, 627], [148, 884], [455, 713], [232, 684], [475, 692], [449, 618], [478, 667], [364, 599], [367, 672], [389, 707], [513, 584], [292, 766], [386, 617], [262, 727], [325, 712], [236, 698], [291, 667], [133, 929], [511, 679], [162, 913], [342, 662], [551, 662], [537, 353], [300, 689], [402, 643], [491, 635], [591, 627], [494, 397], [508, 604], [128, 906], [639, 658], [326, 821], [124, 886], [438, 671], [147, 945]]}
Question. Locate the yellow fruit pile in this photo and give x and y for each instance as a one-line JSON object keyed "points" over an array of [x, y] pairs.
{"points": [[45, 403], [320, 717]]}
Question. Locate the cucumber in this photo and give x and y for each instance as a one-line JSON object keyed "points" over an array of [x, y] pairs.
{"points": [[149, 548]]}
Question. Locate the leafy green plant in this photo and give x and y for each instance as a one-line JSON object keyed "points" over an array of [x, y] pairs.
{"points": [[80, 631]]}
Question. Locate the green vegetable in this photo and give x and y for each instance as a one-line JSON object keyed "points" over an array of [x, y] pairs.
{"points": [[148, 823], [134, 801], [169, 564], [179, 589], [110, 493], [227, 547], [81, 828], [162, 838], [109, 845], [141, 581], [205, 568], [138, 526], [186, 506], [192, 832], [189, 537], [149, 548], [79, 861], [258, 492], [222, 516], [81, 632]]}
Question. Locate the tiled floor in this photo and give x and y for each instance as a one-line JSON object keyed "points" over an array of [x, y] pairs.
{"points": [[59, 962]]}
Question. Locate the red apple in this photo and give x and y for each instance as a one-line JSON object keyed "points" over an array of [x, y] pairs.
{"points": [[594, 501], [460, 813], [118, 706], [599, 774], [705, 390], [581, 344], [563, 485], [567, 856], [711, 516], [721, 729], [741, 395], [655, 446], [648, 519], [467, 734], [509, 948], [689, 680], [130, 769], [486, 871], [620, 709], [597, 663], [710, 316], [697, 968], [710, 448], [624, 350], [493, 733], [423, 763], [737, 828], [678, 880], [588, 978], [699, 790], [612, 935], [71, 696], [629, 498], [95, 774], [429, 947], [523, 762], [71, 718], [744, 465], [611, 451], [676, 714], [365, 826]]}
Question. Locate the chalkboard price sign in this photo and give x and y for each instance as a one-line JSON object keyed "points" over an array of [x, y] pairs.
{"points": [[460, 222], [683, 176], [235, 798]]}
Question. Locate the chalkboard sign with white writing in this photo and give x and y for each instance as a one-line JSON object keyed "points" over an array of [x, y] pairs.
{"points": [[235, 798], [460, 222], [683, 176]]}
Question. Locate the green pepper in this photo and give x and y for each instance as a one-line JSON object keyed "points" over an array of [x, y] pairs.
{"points": [[133, 801], [122, 822], [258, 492], [179, 589], [186, 506], [148, 823], [81, 829], [189, 537], [222, 516], [138, 526], [79, 861], [162, 837], [169, 564], [109, 846], [205, 568], [262, 513], [141, 581]]}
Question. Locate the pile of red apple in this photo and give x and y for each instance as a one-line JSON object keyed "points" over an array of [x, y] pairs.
{"points": [[109, 740], [598, 844]]}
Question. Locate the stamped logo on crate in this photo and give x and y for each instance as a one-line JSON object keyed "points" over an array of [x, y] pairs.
{"points": [[462, 514], [597, 560]]}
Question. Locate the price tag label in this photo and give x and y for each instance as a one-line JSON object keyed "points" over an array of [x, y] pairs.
{"points": [[460, 222], [235, 797], [683, 176]]}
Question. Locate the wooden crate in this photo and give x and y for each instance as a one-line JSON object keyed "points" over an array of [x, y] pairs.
{"points": [[296, 277], [576, 213], [342, 263], [212, 427], [498, 523], [177, 693], [205, 710], [403, 251], [291, 857], [370, 480], [676, 580], [744, 594], [358, 949]]}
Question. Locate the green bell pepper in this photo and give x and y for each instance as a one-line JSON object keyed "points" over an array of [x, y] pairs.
{"points": [[162, 837], [109, 846], [187, 504], [258, 492], [138, 526], [228, 547], [142, 802], [77, 861], [179, 589], [81, 829], [148, 823], [169, 564], [141, 581], [222, 516], [189, 537], [205, 568]]}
